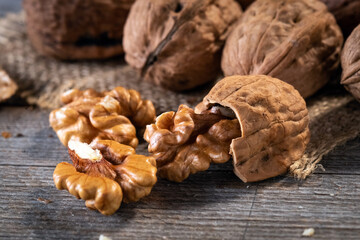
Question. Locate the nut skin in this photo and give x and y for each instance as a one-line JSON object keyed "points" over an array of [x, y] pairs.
{"points": [[121, 175], [99, 193], [274, 124], [350, 62], [7, 86], [78, 29], [177, 44], [297, 41], [267, 133], [90, 116], [184, 143]]}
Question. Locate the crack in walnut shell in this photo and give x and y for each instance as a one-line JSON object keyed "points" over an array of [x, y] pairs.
{"points": [[350, 62], [184, 143], [177, 44], [270, 131], [119, 175], [90, 116], [297, 41]]}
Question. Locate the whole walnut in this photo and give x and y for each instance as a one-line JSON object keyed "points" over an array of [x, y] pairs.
{"points": [[350, 62], [177, 43], [260, 121], [77, 29], [297, 41], [346, 12]]}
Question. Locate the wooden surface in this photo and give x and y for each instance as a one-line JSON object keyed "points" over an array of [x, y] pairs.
{"points": [[211, 204], [214, 204]]}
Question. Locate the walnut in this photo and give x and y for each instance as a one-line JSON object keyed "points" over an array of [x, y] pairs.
{"points": [[177, 43], [106, 173], [77, 29], [350, 62], [260, 121], [89, 116], [7, 86], [346, 13], [297, 41]]}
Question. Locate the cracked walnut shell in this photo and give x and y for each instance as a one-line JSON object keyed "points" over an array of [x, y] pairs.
{"points": [[89, 116], [177, 44], [77, 29], [297, 41], [105, 174], [350, 62], [260, 121]]}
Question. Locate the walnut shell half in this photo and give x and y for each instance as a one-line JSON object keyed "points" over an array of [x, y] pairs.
{"points": [[77, 29], [274, 124], [177, 43], [350, 62], [297, 41]]}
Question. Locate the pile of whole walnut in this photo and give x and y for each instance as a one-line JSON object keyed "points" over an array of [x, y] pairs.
{"points": [[273, 55]]}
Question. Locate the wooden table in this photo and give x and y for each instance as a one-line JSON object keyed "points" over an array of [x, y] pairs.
{"points": [[214, 204]]}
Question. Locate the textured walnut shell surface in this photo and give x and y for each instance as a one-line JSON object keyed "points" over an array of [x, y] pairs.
{"points": [[7, 86], [177, 43], [274, 124], [78, 29], [346, 12], [297, 41], [350, 62]]}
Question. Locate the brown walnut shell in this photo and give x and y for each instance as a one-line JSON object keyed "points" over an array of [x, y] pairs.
{"points": [[78, 29], [350, 62], [297, 41], [177, 43], [274, 124], [346, 13]]}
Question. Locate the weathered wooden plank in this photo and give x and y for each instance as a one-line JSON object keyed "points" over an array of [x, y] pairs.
{"points": [[212, 204]]}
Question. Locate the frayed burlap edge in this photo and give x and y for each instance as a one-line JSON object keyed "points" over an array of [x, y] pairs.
{"points": [[334, 114]]}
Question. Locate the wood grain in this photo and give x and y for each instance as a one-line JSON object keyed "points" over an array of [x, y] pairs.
{"points": [[214, 204]]}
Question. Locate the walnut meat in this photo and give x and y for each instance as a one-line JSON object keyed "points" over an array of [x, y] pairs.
{"points": [[297, 41], [350, 62], [89, 116], [177, 43], [7, 86], [105, 174], [260, 121], [346, 13], [77, 29]]}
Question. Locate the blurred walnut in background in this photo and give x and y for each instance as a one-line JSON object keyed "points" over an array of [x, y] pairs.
{"points": [[77, 29], [297, 41], [177, 43], [350, 62], [346, 12]]}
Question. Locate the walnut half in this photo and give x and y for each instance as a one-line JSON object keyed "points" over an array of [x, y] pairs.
{"points": [[112, 115], [106, 173], [260, 121], [7, 86]]}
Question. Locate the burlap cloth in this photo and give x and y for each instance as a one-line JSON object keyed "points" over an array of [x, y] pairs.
{"points": [[334, 114]]}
